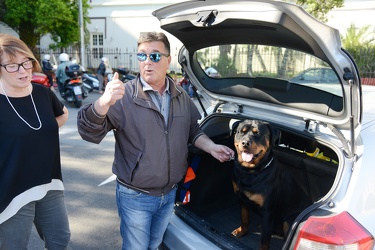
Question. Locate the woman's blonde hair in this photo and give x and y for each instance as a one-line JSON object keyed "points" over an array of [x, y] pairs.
{"points": [[11, 45]]}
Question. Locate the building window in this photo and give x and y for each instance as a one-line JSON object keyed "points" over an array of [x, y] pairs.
{"points": [[97, 44]]}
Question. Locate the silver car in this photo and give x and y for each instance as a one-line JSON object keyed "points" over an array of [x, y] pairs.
{"points": [[257, 47]]}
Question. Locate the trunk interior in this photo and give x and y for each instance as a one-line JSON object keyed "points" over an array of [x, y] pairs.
{"points": [[214, 210]]}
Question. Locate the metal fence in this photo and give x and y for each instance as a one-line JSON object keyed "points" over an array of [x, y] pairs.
{"points": [[117, 58], [127, 58]]}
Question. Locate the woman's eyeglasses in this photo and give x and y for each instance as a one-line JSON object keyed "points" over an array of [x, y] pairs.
{"points": [[154, 57], [14, 67]]}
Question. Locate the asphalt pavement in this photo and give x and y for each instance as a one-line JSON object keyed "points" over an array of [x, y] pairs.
{"points": [[92, 210]]}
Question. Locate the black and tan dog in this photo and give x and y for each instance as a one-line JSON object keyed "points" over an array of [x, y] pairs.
{"points": [[261, 185]]}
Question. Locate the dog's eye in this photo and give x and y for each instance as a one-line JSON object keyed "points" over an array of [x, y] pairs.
{"points": [[255, 131]]}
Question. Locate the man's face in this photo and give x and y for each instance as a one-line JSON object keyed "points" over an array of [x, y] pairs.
{"points": [[154, 72]]}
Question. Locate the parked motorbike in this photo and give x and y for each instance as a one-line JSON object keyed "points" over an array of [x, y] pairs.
{"points": [[73, 90], [90, 81], [40, 78], [126, 76]]}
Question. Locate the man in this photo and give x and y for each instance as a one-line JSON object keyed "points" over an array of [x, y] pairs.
{"points": [[100, 73], [47, 68], [153, 120], [212, 72], [61, 76]]}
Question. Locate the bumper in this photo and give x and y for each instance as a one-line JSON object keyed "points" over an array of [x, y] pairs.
{"points": [[180, 236]]}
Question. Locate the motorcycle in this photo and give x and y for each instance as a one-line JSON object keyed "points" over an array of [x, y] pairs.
{"points": [[126, 76], [73, 89]]}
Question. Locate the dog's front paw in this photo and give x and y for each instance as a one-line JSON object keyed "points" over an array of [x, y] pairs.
{"points": [[239, 232]]}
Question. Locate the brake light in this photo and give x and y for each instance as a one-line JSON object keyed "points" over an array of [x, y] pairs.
{"points": [[341, 231]]}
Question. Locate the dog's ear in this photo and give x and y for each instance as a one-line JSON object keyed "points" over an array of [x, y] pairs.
{"points": [[275, 134], [234, 127]]}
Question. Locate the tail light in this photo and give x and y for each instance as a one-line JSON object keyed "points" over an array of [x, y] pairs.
{"points": [[341, 231], [75, 81]]}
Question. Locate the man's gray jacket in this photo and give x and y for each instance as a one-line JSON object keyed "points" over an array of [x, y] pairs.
{"points": [[148, 154]]}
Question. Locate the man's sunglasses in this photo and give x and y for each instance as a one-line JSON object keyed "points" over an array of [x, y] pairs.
{"points": [[154, 57]]}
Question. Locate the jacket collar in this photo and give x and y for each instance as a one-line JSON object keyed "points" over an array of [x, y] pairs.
{"points": [[139, 93]]}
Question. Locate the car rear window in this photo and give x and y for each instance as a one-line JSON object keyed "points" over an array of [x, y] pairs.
{"points": [[278, 63]]}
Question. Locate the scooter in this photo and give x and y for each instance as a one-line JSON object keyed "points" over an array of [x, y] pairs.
{"points": [[40, 78], [74, 92], [90, 81], [126, 76]]}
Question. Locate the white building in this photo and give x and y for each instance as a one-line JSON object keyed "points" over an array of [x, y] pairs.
{"points": [[359, 12], [5, 29], [116, 25]]}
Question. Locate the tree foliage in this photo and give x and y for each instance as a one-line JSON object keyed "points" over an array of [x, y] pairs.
{"points": [[360, 43], [33, 19], [357, 37], [320, 8]]}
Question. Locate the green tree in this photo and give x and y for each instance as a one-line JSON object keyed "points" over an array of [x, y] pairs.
{"points": [[2, 10], [357, 37], [319, 8], [224, 63], [33, 19], [360, 43]]}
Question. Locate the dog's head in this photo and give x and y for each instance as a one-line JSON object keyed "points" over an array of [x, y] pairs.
{"points": [[253, 140]]}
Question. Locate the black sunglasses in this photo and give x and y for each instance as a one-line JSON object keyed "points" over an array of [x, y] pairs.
{"points": [[154, 57]]}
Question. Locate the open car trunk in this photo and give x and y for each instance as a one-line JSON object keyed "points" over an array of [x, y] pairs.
{"points": [[213, 209]]}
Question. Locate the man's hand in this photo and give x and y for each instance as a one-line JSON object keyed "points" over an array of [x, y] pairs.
{"points": [[222, 153], [219, 152], [113, 92]]}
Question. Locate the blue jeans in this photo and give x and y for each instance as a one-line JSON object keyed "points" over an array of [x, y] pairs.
{"points": [[186, 88], [144, 218], [50, 218]]}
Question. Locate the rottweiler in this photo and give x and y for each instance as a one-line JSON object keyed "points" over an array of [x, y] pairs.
{"points": [[261, 184]]}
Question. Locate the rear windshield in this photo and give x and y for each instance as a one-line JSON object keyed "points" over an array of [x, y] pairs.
{"points": [[259, 61]]}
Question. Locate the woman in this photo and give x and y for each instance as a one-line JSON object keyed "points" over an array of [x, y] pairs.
{"points": [[108, 74], [31, 187]]}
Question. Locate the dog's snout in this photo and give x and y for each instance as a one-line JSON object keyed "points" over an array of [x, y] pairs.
{"points": [[246, 143]]}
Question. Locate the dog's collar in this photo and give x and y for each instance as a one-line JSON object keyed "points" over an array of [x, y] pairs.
{"points": [[268, 163], [263, 165], [257, 169]]}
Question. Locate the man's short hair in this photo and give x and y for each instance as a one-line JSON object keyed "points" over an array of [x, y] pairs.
{"points": [[146, 37]]}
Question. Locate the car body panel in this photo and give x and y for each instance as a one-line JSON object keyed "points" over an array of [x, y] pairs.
{"points": [[200, 24], [328, 109], [359, 199]]}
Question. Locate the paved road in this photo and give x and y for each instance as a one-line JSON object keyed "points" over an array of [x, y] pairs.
{"points": [[92, 210]]}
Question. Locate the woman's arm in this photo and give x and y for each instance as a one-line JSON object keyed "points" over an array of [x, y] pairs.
{"points": [[61, 120]]}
